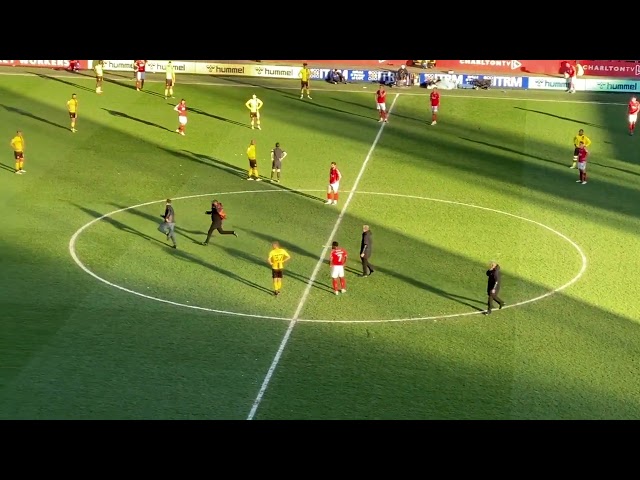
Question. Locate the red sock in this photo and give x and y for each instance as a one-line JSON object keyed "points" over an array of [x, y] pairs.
{"points": [[330, 196], [335, 196], [633, 127], [343, 283], [335, 284], [384, 115], [433, 117]]}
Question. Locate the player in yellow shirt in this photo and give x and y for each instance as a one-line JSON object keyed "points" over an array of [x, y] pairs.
{"points": [[305, 76], [72, 107], [253, 162], [277, 258], [99, 69], [170, 80], [579, 138], [17, 143], [254, 104]]}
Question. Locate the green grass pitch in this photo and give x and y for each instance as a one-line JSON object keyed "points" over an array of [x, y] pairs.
{"points": [[147, 332]]}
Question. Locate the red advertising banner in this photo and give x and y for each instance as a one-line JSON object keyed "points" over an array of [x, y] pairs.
{"points": [[83, 64], [349, 63], [600, 68]]}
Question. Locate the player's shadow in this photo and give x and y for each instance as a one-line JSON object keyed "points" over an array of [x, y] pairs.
{"points": [[119, 225], [430, 288], [624, 170], [31, 115], [7, 167], [66, 82], [249, 83], [115, 113], [227, 273], [573, 120], [311, 104], [372, 108], [157, 220], [511, 150], [268, 239], [253, 259], [211, 161], [217, 117]]}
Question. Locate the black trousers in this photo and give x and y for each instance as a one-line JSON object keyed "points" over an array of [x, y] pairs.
{"points": [[218, 226], [491, 298], [366, 266]]}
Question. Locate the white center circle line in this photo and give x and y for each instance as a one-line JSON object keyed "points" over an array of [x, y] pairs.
{"points": [[76, 259]]}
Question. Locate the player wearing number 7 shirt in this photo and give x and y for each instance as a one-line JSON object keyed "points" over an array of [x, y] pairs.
{"points": [[338, 260], [634, 106], [381, 103]]}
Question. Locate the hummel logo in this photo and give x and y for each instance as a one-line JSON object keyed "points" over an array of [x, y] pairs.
{"points": [[515, 64]]}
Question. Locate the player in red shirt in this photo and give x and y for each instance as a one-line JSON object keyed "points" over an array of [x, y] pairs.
{"points": [[435, 104], [583, 153], [140, 67], [381, 103], [334, 184], [338, 261], [181, 108], [570, 73], [634, 106]]}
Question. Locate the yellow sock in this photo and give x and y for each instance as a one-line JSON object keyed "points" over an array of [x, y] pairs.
{"points": [[250, 172], [255, 172], [171, 91], [21, 164], [278, 284], [17, 166], [275, 284], [166, 92]]}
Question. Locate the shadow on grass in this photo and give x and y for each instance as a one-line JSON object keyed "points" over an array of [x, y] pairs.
{"points": [[182, 255], [66, 82], [135, 119], [176, 252], [511, 150], [217, 117], [239, 81], [313, 104], [573, 120], [233, 170], [374, 113], [253, 259], [291, 247], [7, 167], [121, 226], [31, 115], [624, 170]]}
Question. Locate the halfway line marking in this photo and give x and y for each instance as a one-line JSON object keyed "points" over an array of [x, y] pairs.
{"points": [[314, 274]]}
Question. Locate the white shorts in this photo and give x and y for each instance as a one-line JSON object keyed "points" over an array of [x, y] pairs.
{"points": [[633, 118], [434, 109], [337, 271], [139, 76], [382, 106], [333, 187], [182, 119], [582, 166]]}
